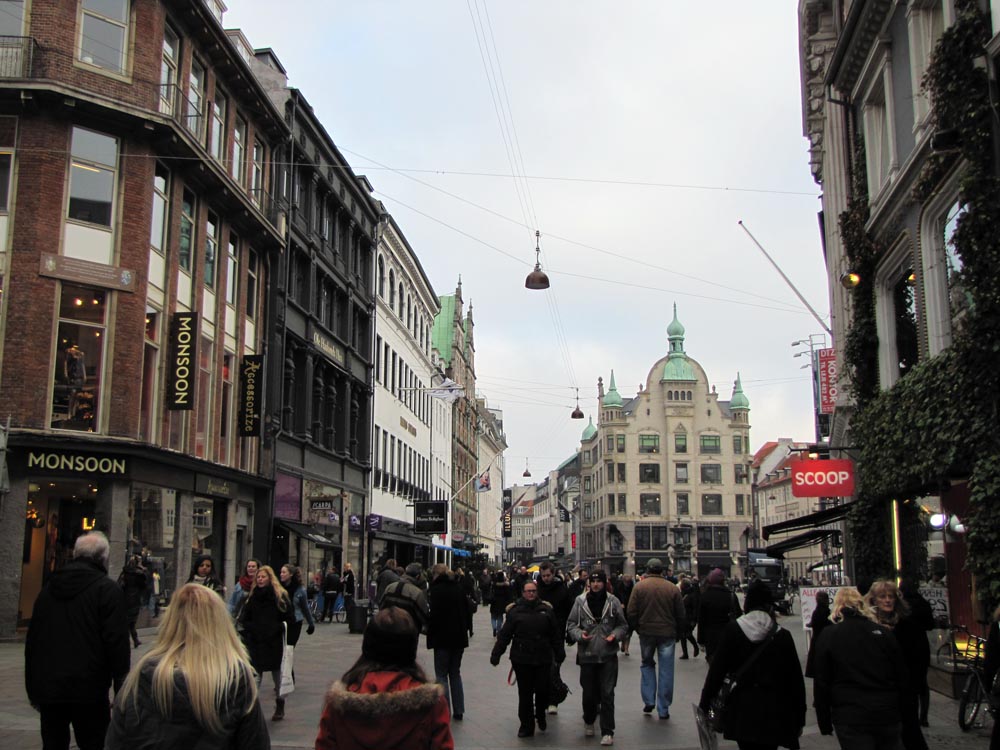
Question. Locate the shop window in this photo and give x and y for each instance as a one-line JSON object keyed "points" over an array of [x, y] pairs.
{"points": [[79, 360], [104, 34], [683, 504], [659, 540], [93, 164], [682, 537], [720, 537], [177, 430], [153, 533], [642, 538], [150, 382], [649, 504], [208, 531], [711, 505]]}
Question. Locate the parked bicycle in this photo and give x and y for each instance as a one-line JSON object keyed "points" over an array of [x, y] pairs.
{"points": [[978, 700]]}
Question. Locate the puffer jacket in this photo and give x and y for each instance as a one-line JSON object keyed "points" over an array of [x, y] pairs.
{"points": [[532, 630], [610, 621], [386, 711], [138, 725], [656, 609]]}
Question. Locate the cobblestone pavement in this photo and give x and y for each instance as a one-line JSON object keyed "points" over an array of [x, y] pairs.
{"points": [[490, 718]]}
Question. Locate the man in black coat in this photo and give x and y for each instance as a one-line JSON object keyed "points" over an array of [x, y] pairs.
{"points": [[553, 590], [77, 647], [447, 634]]}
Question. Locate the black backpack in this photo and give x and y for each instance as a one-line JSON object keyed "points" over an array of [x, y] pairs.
{"points": [[393, 596]]}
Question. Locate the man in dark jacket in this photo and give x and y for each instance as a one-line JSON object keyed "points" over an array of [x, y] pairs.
{"points": [[386, 576], [579, 584], [447, 635], [77, 647], [331, 592], [597, 623], [553, 590], [656, 611], [718, 606]]}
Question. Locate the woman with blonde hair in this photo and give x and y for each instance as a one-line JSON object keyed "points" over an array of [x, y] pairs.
{"points": [[859, 678], [894, 614], [195, 686], [265, 616]]}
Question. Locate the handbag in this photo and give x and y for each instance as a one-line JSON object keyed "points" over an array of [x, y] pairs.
{"points": [[287, 685], [717, 710]]}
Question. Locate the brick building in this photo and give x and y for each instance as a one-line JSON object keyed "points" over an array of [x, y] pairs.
{"points": [[137, 234]]}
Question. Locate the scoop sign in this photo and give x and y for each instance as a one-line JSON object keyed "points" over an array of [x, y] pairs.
{"points": [[833, 477]]}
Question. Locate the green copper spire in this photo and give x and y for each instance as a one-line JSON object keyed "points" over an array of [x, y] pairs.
{"points": [[589, 431], [677, 366], [739, 400], [611, 398]]}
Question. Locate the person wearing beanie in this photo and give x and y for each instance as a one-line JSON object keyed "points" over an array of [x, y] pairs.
{"points": [[656, 611], [597, 624], [717, 607], [767, 709], [385, 699]]}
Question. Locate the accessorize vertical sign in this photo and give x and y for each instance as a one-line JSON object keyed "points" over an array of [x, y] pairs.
{"points": [[827, 380], [251, 395], [182, 366]]}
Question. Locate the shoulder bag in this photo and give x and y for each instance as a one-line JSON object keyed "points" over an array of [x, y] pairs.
{"points": [[717, 711]]}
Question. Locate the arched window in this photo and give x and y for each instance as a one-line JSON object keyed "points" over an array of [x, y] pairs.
{"points": [[400, 300], [381, 277], [392, 288]]}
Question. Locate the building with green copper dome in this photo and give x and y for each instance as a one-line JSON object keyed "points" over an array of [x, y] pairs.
{"points": [[665, 473]]}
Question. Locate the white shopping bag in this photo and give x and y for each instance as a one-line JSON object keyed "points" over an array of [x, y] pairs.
{"points": [[287, 657]]}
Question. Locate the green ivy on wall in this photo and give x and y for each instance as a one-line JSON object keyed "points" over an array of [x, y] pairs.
{"points": [[941, 421]]}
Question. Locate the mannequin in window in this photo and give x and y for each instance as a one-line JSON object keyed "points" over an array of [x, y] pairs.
{"points": [[75, 372]]}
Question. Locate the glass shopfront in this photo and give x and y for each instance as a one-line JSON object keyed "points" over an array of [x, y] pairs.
{"points": [[152, 524]]}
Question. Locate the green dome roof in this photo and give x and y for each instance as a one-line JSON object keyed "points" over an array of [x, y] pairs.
{"points": [[589, 431], [611, 398], [677, 367], [739, 399]]}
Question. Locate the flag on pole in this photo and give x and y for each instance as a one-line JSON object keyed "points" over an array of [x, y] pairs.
{"points": [[449, 391], [483, 482]]}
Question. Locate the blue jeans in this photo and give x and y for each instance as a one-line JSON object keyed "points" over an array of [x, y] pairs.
{"points": [[448, 673], [657, 692], [497, 622]]}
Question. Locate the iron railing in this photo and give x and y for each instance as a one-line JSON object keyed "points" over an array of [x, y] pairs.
{"points": [[17, 56]]}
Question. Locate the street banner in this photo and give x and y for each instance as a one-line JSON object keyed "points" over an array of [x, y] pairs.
{"points": [[483, 482], [825, 477], [827, 375], [508, 523], [807, 597], [563, 513], [182, 361], [449, 391], [250, 395], [430, 517]]}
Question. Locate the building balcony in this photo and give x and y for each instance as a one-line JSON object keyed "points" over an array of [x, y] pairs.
{"points": [[18, 55]]}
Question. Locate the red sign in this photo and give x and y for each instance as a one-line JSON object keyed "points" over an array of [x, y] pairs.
{"points": [[827, 380], [831, 477], [573, 538]]}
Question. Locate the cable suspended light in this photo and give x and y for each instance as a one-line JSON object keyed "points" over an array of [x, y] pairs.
{"points": [[577, 412], [537, 278], [526, 472]]}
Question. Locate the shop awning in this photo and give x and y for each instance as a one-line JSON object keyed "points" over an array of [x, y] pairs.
{"points": [[453, 550], [805, 539], [810, 521], [401, 538], [832, 562], [307, 532]]}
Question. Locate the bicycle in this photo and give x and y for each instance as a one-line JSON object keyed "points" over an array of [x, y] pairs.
{"points": [[976, 695], [339, 611]]}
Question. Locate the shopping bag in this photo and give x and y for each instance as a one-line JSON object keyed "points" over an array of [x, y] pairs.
{"points": [[287, 685], [709, 739]]}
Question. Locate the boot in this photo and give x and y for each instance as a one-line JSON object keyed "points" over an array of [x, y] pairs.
{"points": [[279, 709]]}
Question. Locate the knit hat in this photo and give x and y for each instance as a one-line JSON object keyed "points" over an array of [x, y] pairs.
{"points": [[414, 569], [758, 596], [655, 565], [716, 577], [599, 575], [389, 648]]}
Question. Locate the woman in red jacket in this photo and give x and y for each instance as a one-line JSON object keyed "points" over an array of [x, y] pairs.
{"points": [[385, 699]]}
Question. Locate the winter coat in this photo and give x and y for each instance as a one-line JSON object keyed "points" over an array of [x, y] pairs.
{"points": [[531, 631], [417, 596], [239, 596], [655, 608], [263, 629], [138, 724], [768, 705], [387, 576], [387, 711], [448, 623], [332, 584], [300, 606], [859, 674], [77, 642], [133, 582], [717, 607], [819, 621], [691, 600], [598, 625], [503, 596], [911, 633], [556, 594], [575, 588], [347, 581]]}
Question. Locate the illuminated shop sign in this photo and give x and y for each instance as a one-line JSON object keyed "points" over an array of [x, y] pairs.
{"points": [[251, 392], [77, 463], [182, 362]]}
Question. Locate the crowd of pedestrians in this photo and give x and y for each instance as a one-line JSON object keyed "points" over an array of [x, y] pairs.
{"points": [[199, 684]]}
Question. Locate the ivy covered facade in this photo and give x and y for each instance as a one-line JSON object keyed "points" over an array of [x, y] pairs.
{"points": [[904, 143]]}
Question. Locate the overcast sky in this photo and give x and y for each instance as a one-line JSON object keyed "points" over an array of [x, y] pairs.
{"points": [[642, 132]]}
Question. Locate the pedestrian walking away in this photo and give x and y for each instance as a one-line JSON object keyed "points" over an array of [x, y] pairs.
{"points": [[265, 617], [133, 580], [656, 612], [77, 647], [597, 625], [503, 597], [859, 678], [689, 595], [385, 700], [717, 607], [331, 590], [534, 639], [767, 706], [819, 621], [170, 699], [448, 635]]}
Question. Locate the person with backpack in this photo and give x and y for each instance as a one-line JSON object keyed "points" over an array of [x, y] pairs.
{"points": [[331, 590], [408, 594], [767, 707], [597, 625]]}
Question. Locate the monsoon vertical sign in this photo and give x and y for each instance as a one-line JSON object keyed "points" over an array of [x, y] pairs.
{"points": [[182, 365], [251, 394]]}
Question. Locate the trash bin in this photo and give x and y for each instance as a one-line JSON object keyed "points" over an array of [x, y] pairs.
{"points": [[357, 617]]}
